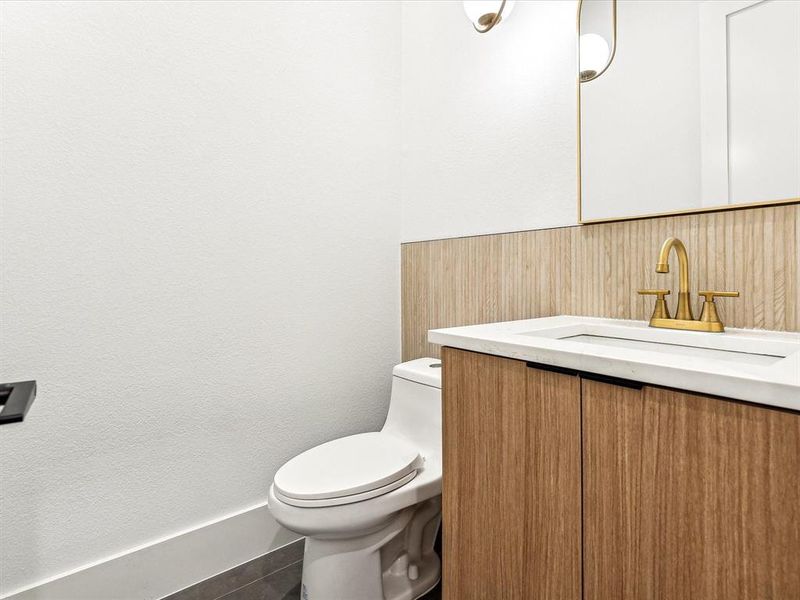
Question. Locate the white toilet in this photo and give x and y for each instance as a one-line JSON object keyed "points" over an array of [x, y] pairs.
{"points": [[370, 504]]}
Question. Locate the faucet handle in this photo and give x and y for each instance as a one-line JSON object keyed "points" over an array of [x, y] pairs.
{"points": [[660, 311], [659, 293], [709, 313], [709, 294]]}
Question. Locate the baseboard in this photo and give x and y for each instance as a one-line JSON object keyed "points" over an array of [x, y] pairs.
{"points": [[165, 566]]}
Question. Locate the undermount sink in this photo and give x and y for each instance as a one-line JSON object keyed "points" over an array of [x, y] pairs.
{"points": [[683, 350], [751, 365], [732, 348]]}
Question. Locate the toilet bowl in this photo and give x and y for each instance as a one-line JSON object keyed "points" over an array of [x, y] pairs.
{"points": [[370, 504]]}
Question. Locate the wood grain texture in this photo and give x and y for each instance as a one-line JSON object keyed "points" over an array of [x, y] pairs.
{"points": [[688, 497], [511, 480], [595, 270]]}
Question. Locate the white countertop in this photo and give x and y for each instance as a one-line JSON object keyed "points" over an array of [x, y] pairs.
{"points": [[743, 364]]}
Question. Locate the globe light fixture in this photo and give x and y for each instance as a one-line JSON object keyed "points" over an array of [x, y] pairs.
{"points": [[485, 14], [594, 53]]}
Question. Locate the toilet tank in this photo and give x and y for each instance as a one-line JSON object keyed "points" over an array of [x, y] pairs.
{"points": [[415, 407]]}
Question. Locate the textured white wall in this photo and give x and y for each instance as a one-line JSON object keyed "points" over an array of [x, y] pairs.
{"points": [[489, 121], [199, 239]]}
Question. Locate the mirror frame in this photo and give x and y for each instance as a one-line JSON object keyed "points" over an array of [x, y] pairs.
{"points": [[688, 211]]}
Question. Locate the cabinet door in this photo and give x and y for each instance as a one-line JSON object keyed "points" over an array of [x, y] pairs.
{"points": [[511, 486], [688, 497]]}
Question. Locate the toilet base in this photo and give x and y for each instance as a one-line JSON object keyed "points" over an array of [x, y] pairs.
{"points": [[397, 562], [400, 588]]}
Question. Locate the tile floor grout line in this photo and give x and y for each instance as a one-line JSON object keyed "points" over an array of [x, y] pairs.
{"points": [[257, 580]]}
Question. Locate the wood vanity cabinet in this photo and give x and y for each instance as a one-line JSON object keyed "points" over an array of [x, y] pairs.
{"points": [[511, 480], [560, 486]]}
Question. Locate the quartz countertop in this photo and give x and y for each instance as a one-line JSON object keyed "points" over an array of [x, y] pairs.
{"points": [[744, 364]]}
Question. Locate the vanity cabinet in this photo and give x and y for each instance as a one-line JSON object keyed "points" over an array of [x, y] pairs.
{"points": [[688, 496], [557, 485], [511, 480]]}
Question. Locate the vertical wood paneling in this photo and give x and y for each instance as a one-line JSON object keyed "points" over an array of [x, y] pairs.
{"points": [[595, 270]]}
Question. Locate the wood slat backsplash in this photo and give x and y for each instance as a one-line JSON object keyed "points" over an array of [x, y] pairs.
{"points": [[595, 270]]}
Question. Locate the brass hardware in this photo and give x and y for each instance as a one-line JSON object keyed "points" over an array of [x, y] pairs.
{"points": [[687, 325], [709, 320], [661, 311], [711, 294], [709, 313], [688, 211], [489, 20], [684, 312]]}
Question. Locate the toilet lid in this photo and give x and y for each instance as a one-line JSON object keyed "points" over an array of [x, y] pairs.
{"points": [[348, 466]]}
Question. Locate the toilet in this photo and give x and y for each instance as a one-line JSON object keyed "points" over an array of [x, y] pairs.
{"points": [[370, 504]]}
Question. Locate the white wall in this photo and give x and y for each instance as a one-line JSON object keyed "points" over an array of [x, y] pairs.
{"points": [[489, 121], [199, 239]]}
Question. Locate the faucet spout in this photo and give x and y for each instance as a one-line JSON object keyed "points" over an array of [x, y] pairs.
{"points": [[709, 321], [684, 306]]}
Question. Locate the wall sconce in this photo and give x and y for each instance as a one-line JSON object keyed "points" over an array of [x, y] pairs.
{"points": [[594, 52], [599, 22], [485, 14]]}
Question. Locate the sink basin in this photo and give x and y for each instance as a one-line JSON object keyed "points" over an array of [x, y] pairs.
{"points": [[732, 348], [680, 349], [751, 365]]}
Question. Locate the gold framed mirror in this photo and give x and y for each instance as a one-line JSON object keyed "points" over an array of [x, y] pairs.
{"points": [[686, 107]]}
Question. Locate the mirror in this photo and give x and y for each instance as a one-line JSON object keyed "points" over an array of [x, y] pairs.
{"points": [[687, 106]]}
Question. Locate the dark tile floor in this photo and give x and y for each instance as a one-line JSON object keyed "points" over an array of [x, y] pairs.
{"points": [[280, 585], [243, 579], [285, 585], [259, 579]]}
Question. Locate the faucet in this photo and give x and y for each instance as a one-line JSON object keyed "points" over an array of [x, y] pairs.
{"points": [[709, 320], [684, 311]]}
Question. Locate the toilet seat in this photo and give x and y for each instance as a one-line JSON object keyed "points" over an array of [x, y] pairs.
{"points": [[347, 470]]}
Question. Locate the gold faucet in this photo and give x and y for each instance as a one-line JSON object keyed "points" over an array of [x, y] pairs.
{"points": [[684, 312], [684, 319]]}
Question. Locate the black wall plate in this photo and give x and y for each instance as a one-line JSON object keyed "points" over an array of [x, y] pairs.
{"points": [[16, 399]]}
